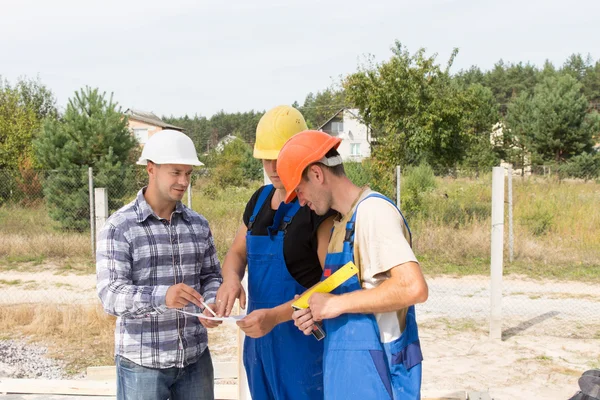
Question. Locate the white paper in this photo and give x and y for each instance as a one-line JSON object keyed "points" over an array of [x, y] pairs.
{"points": [[231, 318]]}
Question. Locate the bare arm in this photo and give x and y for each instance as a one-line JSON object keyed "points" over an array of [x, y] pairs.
{"points": [[404, 287], [233, 270]]}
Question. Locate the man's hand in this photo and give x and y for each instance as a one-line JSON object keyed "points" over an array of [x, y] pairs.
{"points": [[230, 290], [324, 306], [258, 323], [303, 319], [207, 323], [180, 295]]}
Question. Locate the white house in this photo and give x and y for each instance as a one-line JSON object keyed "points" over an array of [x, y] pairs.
{"points": [[356, 137]]}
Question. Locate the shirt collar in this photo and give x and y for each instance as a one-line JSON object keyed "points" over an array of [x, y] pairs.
{"points": [[144, 210]]}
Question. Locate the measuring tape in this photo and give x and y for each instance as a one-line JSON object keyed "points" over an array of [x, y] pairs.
{"points": [[328, 285]]}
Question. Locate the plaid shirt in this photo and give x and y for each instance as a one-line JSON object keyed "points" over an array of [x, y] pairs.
{"points": [[138, 257]]}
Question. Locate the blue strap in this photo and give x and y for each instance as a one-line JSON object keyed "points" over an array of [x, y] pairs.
{"points": [[350, 225], [283, 217], [264, 194]]}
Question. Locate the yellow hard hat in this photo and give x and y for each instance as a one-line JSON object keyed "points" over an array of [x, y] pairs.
{"points": [[274, 129]]}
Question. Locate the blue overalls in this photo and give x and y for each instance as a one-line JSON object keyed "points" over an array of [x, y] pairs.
{"points": [[357, 365], [284, 364]]}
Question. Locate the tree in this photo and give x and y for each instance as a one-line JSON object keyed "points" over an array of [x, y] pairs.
{"points": [[415, 111], [93, 133], [563, 126], [518, 136], [22, 110], [234, 165], [317, 109], [554, 124]]}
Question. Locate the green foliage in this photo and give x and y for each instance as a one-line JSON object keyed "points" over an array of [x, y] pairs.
{"points": [[552, 125], [416, 112], [416, 183], [92, 133], [538, 219], [585, 166], [206, 132], [234, 165], [22, 109], [320, 107], [563, 127]]}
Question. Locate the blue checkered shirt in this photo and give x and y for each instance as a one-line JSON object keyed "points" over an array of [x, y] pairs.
{"points": [[138, 257]]}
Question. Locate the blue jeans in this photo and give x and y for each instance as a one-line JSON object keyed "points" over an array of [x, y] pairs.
{"points": [[194, 382]]}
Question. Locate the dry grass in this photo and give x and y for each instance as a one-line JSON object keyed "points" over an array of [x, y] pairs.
{"points": [[557, 229], [81, 336]]}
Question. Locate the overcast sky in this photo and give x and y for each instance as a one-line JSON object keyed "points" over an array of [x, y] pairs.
{"points": [[198, 57]]}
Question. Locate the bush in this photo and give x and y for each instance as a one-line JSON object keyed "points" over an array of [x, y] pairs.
{"points": [[415, 184], [585, 166]]}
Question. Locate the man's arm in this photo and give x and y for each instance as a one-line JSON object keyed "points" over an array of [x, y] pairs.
{"points": [[118, 294], [234, 268], [404, 287]]}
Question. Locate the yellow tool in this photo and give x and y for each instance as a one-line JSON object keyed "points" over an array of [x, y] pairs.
{"points": [[329, 284]]}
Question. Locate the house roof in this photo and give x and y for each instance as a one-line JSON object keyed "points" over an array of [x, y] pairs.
{"points": [[336, 114], [149, 118], [332, 117]]}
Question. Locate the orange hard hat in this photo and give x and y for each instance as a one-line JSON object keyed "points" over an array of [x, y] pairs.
{"points": [[300, 151]]}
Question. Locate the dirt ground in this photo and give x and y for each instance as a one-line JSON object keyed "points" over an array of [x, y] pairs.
{"points": [[548, 341]]}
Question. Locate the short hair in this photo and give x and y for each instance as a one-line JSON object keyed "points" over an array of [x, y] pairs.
{"points": [[337, 170]]}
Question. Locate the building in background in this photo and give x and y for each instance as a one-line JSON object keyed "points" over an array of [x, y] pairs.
{"points": [[356, 138], [144, 124]]}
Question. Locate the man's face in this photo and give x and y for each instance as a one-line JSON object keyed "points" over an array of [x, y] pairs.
{"points": [[271, 170], [312, 193], [170, 180]]}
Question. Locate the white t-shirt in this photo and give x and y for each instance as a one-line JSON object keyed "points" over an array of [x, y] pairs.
{"points": [[381, 242]]}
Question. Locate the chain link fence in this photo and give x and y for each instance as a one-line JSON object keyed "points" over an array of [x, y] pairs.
{"points": [[46, 244]]}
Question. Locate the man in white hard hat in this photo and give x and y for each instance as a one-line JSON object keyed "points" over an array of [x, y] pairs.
{"points": [[155, 257]]}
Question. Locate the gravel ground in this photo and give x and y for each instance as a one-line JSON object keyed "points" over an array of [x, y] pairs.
{"points": [[20, 360]]}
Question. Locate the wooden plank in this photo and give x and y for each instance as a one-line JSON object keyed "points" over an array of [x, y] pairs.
{"points": [[479, 396], [85, 388], [443, 395], [43, 386], [223, 370]]}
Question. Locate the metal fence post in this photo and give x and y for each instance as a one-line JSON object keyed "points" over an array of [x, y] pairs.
{"points": [[189, 195], [511, 236], [92, 216], [101, 196], [496, 253], [398, 185]]}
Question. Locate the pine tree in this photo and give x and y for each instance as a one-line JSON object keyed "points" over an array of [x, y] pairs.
{"points": [[92, 133]]}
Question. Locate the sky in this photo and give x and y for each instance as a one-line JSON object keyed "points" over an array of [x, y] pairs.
{"points": [[193, 57]]}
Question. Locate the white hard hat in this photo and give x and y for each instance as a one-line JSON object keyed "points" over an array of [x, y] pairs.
{"points": [[169, 147]]}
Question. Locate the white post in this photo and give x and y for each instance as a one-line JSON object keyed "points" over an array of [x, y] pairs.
{"points": [[398, 185], [92, 217], [511, 235], [266, 179], [243, 388], [189, 193], [101, 196], [496, 252]]}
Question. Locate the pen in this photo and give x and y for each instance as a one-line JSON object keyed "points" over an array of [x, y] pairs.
{"points": [[208, 308]]}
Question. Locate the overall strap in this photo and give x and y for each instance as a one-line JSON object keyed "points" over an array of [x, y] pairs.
{"points": [[350, 225], [283, 217], [264, 194]]}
